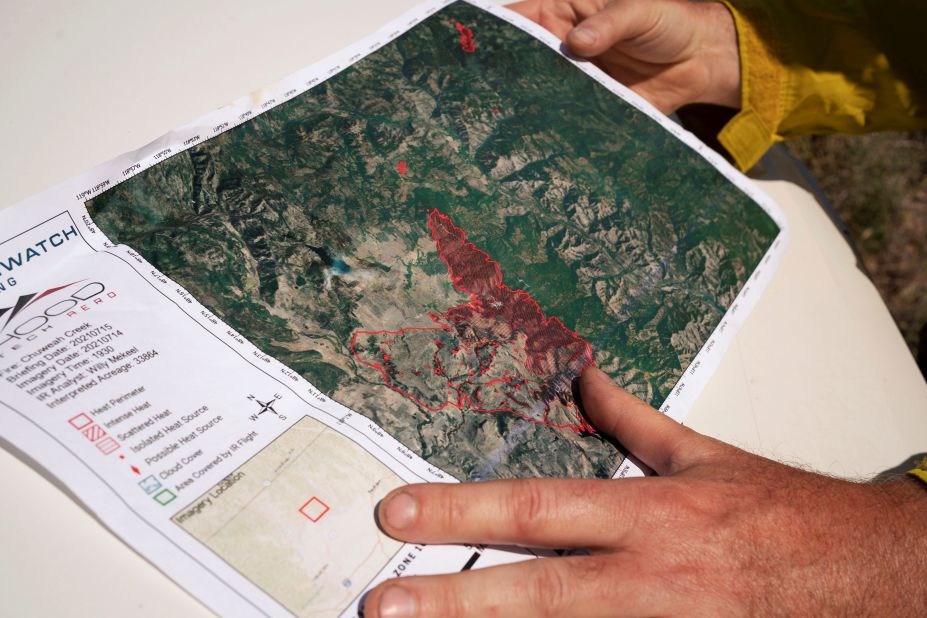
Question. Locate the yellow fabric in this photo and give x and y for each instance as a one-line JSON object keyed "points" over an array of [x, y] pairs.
{"points": [[920, 472], [826, 66]]}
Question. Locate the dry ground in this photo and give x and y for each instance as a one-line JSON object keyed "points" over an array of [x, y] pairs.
{"points": [[878, 184]]}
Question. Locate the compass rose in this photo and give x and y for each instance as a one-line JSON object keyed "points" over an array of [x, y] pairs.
{"points": [[266, 406]]}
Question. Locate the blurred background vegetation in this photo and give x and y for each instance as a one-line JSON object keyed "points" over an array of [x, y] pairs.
{"points": [[878, 184]]}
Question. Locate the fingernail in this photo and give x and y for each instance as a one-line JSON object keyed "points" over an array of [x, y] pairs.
{"points": [[397, 603], [584, 36], [400, 511]]}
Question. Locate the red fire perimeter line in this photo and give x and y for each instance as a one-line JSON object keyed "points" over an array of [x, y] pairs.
{"points": [[479, 276]]}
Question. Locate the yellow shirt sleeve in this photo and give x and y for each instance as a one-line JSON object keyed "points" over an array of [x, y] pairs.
{"points": [[819, 66], [920, 472]]}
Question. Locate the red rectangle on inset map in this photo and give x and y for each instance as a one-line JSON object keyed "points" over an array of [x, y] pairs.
{"points": [[314, 509], [80, 421], [107, 445], [94, 433]]}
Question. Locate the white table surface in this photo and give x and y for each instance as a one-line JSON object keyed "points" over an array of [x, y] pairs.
{"points": [[819, 375]]}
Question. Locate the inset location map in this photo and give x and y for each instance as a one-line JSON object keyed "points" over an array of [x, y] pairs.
{"points": [[295, 519]]}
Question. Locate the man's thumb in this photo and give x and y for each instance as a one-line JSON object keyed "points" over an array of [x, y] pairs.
{"points": [[620, 21]]}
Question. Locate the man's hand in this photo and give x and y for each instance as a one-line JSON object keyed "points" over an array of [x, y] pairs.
{"points": [[671, 52], [719, 532]]}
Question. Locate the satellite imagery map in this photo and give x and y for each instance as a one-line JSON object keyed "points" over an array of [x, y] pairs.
{"points": [[443, 234]]}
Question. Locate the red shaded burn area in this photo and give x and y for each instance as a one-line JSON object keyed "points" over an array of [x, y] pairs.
{"points": [[495, 353], [467, 44]]}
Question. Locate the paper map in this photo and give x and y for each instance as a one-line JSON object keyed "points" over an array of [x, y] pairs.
{"points": [[387, 269]]}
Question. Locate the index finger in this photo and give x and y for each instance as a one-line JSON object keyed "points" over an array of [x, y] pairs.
{"points": [[660, 442], [556, 17]]}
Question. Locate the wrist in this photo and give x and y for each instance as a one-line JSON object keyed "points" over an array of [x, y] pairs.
{"points": [[902, 555], [719, 55]]}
